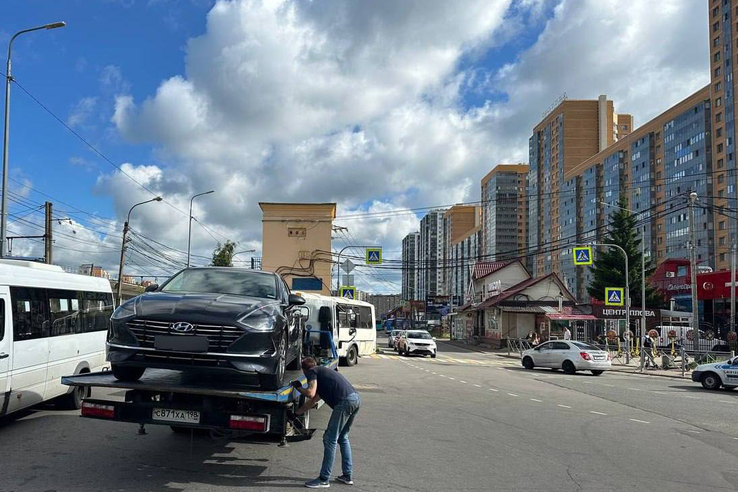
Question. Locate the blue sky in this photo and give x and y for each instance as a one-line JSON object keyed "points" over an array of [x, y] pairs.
{"points": [[286, 100]]}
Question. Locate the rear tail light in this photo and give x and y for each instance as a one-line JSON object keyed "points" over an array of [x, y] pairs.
{"points": [[97, 410], [585, 356], [249, 422]]}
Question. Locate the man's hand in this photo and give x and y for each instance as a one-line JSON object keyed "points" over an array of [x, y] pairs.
{"points": [[297, 384]]}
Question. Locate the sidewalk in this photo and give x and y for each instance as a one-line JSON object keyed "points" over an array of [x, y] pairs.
{"points": [[632, 368]]}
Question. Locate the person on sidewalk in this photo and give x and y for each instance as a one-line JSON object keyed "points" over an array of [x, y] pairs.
{"points": [[330, 386], [567, 333]]}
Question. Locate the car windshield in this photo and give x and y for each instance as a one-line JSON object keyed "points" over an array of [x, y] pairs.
{"points": [[222, 281], [423, 335], [586, 346]]}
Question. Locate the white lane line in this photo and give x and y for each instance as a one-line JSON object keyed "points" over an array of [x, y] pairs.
{"points": [[726, 401], [639, 421], [434, 373], [462, 381], [597, 413], [512, 394], [564, 406], [496, 391], [692, 397], [634, 389], [478, 386], [534, 399], [693, 431], [660, 393], [453, 379], [442, 375], [587, 382], [609, 385], [736, 438], [568, 379]]}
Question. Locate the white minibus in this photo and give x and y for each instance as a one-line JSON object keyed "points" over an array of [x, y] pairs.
{"points": [[52, 324], [352, 324]]}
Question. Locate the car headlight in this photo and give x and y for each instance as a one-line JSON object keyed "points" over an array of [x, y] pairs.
{"points": [[260, 319], [125, 310]]}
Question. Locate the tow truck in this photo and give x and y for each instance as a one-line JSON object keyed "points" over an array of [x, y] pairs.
{"points": [[189, 401], [713, 376]]}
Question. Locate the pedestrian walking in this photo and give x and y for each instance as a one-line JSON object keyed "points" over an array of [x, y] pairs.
{"points": [[334, 389], [567, 333]]}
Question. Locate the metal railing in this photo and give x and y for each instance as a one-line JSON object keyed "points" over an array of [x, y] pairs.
{"points": [[518, 345]]}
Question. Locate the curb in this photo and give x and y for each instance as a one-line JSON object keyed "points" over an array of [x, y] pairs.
{"points": [[687, 377]]}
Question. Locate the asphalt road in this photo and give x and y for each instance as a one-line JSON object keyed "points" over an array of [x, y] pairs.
{"points": [[462, 421]]}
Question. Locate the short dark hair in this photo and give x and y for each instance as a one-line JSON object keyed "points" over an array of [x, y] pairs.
{"points": [[308, 363]]}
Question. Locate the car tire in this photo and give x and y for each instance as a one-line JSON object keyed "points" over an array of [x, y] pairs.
{"points": [[124, 373], [296, 363], [711, 381], [597, 373], [352, 356], [276, 380], [528, 363], [73, 400], [433, 356], [568, 367]]}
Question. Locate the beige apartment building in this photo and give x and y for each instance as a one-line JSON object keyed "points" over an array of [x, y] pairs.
{"points": [[296, 243]]}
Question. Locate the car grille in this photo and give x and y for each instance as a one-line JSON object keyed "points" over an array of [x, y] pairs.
{"points": [[219, 337]]}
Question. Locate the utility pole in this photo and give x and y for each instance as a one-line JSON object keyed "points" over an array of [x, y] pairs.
{"points": [[48, 233], [642, 331], [693, 272], [732, 286]]}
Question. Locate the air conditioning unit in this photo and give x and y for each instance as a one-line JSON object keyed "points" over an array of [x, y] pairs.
{"points": [[670, 274]]}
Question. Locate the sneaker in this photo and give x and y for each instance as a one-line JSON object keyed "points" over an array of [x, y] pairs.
{"points": [[318, 483], [345, 479]]}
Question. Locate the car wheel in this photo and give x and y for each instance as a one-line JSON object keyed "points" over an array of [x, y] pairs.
{"points": [[123, 373], [569, 367], [597, 373], [276, 380], [528, 363], [352, 356], [433, 356], [73, 400], [297, 362], [711, 381]]}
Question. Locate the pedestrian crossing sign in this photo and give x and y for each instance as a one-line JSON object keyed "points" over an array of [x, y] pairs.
{"points": [[373, 256], [583, 255], [347, 292], [614, 296]]}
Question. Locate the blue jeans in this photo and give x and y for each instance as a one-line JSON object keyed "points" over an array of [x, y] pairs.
{"points": [[337, 433]]}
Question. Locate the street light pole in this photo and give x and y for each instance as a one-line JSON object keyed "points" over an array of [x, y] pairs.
{"points": [[189, 228], [693, 275], [6, 137], [123, 247]]}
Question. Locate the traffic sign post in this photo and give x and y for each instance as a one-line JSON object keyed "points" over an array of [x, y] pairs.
{"points": [[614, 296], [347, 292], [373, 256], [583, 255]]}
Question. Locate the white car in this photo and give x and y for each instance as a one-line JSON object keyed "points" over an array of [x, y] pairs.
{"points": [[712, 376], [417, 342], [568, 355]]}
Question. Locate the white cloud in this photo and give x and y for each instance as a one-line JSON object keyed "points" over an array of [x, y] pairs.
{"points": [[362, 102], [82, 111]]}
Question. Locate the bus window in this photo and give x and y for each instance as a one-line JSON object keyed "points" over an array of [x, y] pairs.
{"points": [[63, 317], [365, 317], [30, 316], [347, 316]]}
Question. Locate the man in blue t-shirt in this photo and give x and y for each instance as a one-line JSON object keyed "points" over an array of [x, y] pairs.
{"points": [[337, 392]]}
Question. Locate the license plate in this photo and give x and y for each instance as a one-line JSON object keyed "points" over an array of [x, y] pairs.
{"points": [[181, 343], [599, 357], [188, 416]]}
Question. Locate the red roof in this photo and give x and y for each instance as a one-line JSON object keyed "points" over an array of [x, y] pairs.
{"points": [[484, 268], [516, 289]]}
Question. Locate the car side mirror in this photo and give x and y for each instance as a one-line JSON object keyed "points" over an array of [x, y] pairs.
{"points": [[151, 288], [434, 339], [295, 300]]}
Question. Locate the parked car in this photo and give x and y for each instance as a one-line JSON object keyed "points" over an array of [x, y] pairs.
{"points": [[417, 342], [713, 376], [571, 356], [392, 338], [210, 320]]}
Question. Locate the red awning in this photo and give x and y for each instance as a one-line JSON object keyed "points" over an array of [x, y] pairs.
{"points": [[570, 317]]}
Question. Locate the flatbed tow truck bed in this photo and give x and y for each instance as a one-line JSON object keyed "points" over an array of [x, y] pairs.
{"points": [[184, 400]]}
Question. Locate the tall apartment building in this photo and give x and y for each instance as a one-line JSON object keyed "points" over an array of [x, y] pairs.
{"points": [[572, 132], [654, 167], [463, 253], [504, 212], [430, 255], [723, 38], [410, 245], [458, 221]]}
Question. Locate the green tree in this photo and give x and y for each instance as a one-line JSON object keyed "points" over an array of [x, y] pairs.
{"points": [[223, 254], [608, 269]]}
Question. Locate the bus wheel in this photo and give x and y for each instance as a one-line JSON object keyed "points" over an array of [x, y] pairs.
{"points": [[73, 400], [352, 356]]}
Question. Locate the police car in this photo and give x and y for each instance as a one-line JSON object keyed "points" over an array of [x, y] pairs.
{"points": [[712, 376]]}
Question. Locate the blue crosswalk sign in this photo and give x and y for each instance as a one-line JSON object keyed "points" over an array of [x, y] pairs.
{"points": [[373, 256], [583, 255], [347, 292], [614, 296]]}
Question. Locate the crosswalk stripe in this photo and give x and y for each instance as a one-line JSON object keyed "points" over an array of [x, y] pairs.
{"points": [[381, 356]]}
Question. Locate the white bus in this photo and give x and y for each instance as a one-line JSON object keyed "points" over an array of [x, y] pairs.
{"points": [[52, 324], [352, 323]]}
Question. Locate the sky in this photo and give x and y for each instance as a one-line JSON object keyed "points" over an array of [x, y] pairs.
{"points": [[379, 106]]}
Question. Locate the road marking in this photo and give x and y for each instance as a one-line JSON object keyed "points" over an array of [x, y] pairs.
{"points": [[478, 386], [609, 385], [587, 382], [639, 421], [433, 373], [492, 389], [452, 378], [442, 375], [597, 413], [383, 356], [512, 394], [462, 381], [564, 406], [693, 397], [660, 393], [633, 389], [726, 401], [693, 431], [539, 401]]}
